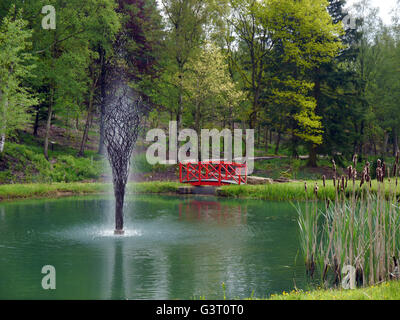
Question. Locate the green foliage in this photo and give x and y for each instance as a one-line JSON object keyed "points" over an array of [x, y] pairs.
{"points": [[209, 89], [16, 67], [384, 291], [26, 164], [71, 169]]}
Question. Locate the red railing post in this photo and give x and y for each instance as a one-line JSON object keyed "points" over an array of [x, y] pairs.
{"points": [[219, 173], [200, 172]]}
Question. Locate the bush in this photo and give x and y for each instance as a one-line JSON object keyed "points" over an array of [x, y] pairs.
{"points": [[71, 169], [27, 164]]}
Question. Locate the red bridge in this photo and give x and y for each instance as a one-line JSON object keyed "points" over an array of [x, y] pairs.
{"points": [[212, 173]]}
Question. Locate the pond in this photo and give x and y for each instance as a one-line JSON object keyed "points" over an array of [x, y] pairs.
{"points": [[174, 248]]}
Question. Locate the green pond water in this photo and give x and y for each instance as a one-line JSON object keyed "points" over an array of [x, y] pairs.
{"points": [[174, 248]]}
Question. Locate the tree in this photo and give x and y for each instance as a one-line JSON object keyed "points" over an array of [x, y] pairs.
{"points": [[207, 84], [255, 47], [334, 92], [101, 52], [64, 54], [16, 65], [186, 25], [303, 37], [142, 34]]}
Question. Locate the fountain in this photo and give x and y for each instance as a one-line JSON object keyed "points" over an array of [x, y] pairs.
{"points": [[121, 126]]}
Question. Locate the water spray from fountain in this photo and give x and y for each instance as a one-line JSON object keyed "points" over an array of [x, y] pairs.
{"points": [[121, 121]]}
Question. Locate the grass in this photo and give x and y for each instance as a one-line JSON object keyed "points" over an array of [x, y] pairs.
{"points": [[37, 190], [292, 191], [385, 291], [43, 190]]}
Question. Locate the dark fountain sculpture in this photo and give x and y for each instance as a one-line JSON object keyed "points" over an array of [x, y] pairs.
{"points": [[121, 126]]}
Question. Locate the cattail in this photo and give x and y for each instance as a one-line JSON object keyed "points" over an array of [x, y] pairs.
{"points": [[346, 183], [379, 163], [334, 181], [305, 186], [397, 157], [334, 167], [378, 170], [362, 178], [367, 172], [343, 183], [316, 189], [349, 171], [355, 160], [379, 174], [354, 174], [324, 180]]}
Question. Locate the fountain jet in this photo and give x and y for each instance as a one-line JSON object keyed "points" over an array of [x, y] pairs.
{"points": [[121, 126]]}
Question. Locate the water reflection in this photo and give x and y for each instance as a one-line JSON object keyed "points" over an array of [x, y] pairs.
{"points": [[206, 210], [174, 248]]}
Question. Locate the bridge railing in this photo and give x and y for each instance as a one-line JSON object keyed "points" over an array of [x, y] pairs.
{"points": [[214, 173]]}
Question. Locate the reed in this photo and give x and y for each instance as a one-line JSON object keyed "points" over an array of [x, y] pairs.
{"points": [[359, 228]]}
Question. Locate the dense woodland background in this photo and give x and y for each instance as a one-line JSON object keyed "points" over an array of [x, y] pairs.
{"points": [[312, 88]]}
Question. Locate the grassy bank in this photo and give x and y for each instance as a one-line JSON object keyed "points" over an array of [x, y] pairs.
{"points": [[41, 190], [290, 191], [293, 191], [386, 291]]}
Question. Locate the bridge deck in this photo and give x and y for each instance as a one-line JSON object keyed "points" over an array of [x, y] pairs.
{"points": [[211, 180]]}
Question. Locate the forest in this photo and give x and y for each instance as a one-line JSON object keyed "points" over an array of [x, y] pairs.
{"points": [[316, 82]]}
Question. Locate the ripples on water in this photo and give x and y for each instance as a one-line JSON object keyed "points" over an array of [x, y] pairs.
{"points": [[173, 248]]}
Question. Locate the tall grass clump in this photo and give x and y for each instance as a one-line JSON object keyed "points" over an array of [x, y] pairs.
{"points": [[358, 230]]}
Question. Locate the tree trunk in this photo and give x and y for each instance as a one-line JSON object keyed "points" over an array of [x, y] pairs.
{"points": [[36, 124], [180, 99], [48, 124], [266, 139], [3, 125], [198, 130], [87, 126], [102, 102], [294, 145], [312, 160], [395, 142], [2, 142], [278, 141], [385, 143]]}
